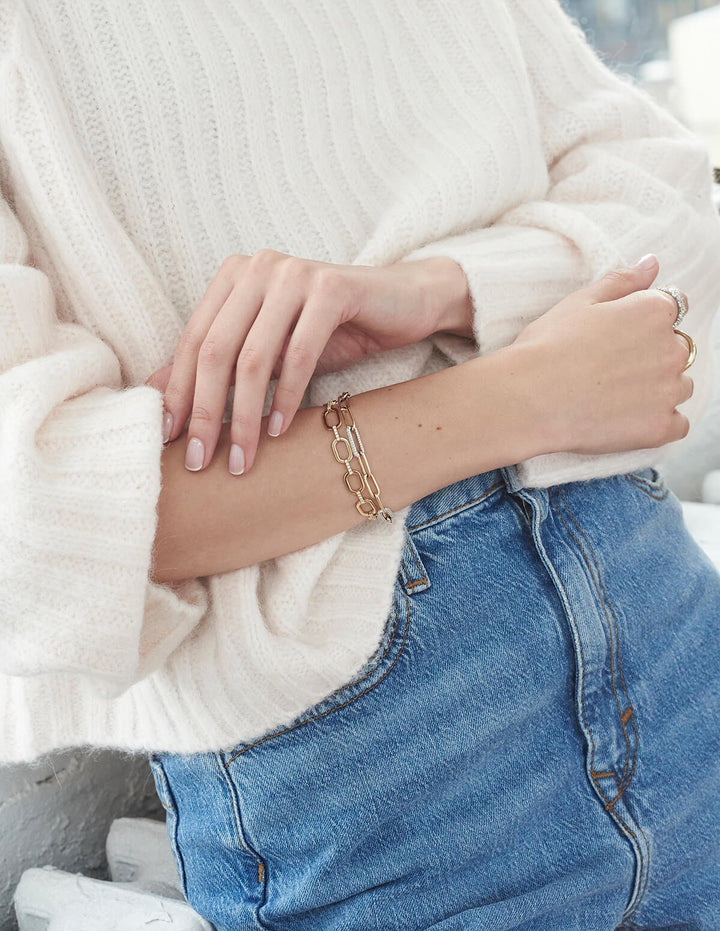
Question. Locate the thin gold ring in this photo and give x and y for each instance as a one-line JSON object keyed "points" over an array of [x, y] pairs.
{"points": [[691, 346]]}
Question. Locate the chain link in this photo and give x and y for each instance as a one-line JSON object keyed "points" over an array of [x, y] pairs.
{"points": [[361, 483]]}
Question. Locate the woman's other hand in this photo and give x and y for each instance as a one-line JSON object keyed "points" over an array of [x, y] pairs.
{"points": [[606, 366], [272, 315]]}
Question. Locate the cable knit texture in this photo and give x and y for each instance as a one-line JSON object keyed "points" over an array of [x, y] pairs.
{"points": [[141, 144]]}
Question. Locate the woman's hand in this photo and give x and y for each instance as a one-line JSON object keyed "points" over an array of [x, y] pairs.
{"points": [[272, 315], [606, 367]]}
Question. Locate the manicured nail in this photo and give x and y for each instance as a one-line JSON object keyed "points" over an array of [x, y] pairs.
{"points": [[167, 426], [236, 462], [194, 454], [275, 423], [647, 262]]}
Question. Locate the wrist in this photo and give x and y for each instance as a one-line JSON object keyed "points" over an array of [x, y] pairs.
{"points": [[445, 289], [513, 380]]}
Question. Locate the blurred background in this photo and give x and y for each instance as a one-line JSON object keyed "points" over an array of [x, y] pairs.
{"points": [[671, 47]]}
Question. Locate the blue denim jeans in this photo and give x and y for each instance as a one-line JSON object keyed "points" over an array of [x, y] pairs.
{"points": [[534, 745]]}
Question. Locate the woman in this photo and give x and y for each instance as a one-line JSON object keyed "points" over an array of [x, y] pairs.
{"points": [[491, 712]]}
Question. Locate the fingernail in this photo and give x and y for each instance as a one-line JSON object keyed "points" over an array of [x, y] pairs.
{"points": [[194, 454], [167, 426], [647, 262], [236, 463], [275, 423]]}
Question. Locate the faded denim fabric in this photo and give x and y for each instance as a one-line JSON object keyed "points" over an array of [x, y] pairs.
{"points": [[535, 744]]}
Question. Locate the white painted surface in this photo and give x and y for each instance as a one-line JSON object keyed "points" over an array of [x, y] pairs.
{"points": [[138, 851], [711, 488], [703, 522], [53, 900], [59, 812]]}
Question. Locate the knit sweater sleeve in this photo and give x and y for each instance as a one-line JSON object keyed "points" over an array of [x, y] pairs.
{"points": [[79, 482], [624, 178]]}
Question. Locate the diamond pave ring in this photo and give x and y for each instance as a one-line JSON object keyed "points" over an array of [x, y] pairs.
{"points": [[679, 298]]}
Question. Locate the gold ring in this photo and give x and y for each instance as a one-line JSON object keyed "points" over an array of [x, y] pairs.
{"points": [[691, 346]]}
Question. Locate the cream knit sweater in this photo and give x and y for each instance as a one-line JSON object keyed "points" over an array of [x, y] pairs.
{"points": [[143, 142]]}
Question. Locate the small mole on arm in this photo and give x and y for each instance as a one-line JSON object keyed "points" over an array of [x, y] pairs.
{"points": [[419, 425], [438, 428]]}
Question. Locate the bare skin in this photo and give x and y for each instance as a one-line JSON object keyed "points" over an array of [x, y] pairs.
{"points": [[417, 436], [273, 315], [563, 385]]}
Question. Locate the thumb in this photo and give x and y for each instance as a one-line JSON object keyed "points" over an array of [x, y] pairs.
{"points": [[623, 281], [160, 378]]}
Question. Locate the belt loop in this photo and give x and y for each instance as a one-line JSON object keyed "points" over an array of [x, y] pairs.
{"points": [[511, 477], [537, 498]]}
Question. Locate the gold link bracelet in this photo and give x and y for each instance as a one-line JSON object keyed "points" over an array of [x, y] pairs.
{"points": [[369, 502]]}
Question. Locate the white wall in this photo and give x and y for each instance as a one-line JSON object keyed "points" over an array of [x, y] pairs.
{"points": [[695, 51], [59, 813]]}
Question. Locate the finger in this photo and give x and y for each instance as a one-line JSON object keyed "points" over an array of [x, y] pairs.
{"points": [[672, 307], [620, 282], [159, 378], [216, 361], [679, 427], [656, 306], [252, 374], [687, 386], [307, 342], [181, 384], [278, 364]]}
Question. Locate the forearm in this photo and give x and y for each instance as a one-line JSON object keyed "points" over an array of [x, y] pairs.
{"points": [[420, 435]]}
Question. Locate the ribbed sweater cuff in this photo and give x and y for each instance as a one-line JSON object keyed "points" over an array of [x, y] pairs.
{"points": [[514, 274], [81, 503]]}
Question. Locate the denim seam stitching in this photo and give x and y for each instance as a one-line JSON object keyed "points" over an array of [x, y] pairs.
{"points": [[622, 826], [354, 698], [629, 707], [626, 828], [657, 491], [420, 568], [167, 804], [496, 487], [180, 857], [581, 659], [405, 569], [603, 597], [609, 806], [236, 809], [608, 803], [174, 813], [614, 814], [237, 817]]}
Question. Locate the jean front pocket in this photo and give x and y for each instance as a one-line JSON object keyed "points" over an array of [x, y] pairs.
{"points": [[649, 481], [167, 800], [411, 578]]}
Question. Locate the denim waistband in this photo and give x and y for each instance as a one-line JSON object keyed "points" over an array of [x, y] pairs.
{"points": [[460, 494]]}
